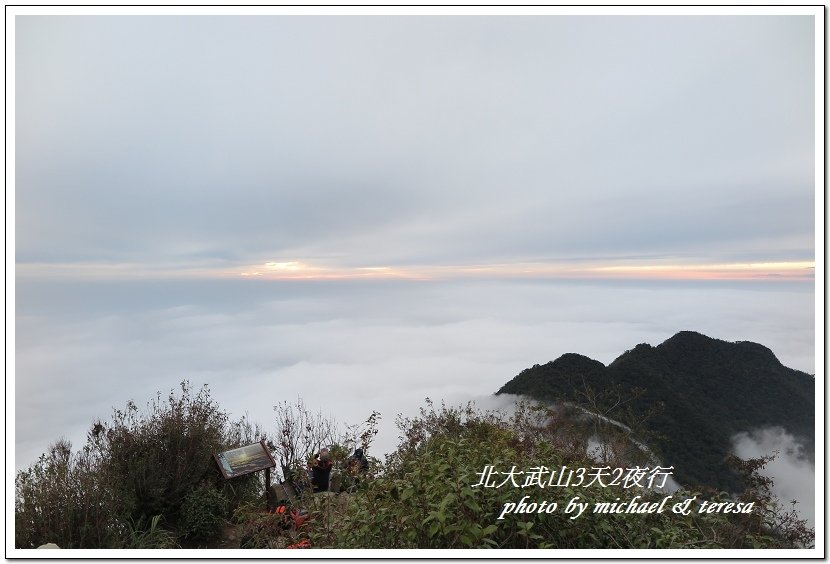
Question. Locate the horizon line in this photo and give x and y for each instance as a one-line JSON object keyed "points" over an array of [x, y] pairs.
{"points": [[298, 270]]}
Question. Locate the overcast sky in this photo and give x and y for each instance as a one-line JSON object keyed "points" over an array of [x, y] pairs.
{"points": [[365, 211], [353, 142]]}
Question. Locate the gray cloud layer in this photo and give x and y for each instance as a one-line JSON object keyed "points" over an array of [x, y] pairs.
{"points": [[388, 140]]}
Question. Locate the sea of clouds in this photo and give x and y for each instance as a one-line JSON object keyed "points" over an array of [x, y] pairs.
{"points": [[348, 348]]}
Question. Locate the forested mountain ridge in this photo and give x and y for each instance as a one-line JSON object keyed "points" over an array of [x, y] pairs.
{"points": [[698, 393]]}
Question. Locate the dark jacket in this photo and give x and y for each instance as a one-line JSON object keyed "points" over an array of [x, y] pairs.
{"points": [[357, 462], [320, 473]]}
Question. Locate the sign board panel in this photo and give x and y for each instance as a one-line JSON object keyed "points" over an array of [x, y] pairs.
{"points": [[244, 460]]}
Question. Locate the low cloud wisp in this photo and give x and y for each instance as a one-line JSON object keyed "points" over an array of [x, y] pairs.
{"points": [[792, 470]]}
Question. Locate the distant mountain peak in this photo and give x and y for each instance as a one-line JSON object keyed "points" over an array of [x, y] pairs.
{"points": [[690, 337], [691, 342], [575, 360], [705, 389], [688, 334]]}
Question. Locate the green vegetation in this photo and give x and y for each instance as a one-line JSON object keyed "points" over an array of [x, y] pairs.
{"points": [[152, 537], [147, 480], [150, 469], [203, 513], [424, 497], [686, 397]]}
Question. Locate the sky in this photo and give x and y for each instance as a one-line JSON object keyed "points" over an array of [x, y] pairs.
{"points": [[217, 145], [366, 211]]}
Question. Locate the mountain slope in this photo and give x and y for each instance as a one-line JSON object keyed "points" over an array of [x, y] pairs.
{"points": [[702, 391]]}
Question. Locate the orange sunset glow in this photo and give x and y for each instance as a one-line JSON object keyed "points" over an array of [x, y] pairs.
{"points": [[781, 270]]}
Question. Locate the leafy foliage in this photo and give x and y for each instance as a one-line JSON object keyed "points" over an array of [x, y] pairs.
{"points": [[203, 512], [154, 536], [259, 529], [139, 466], [157, 457], [61, 499], [424, 497]]}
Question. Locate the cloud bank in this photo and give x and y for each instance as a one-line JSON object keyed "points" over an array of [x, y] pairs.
{"points": [[793, 471], [348, 348]]}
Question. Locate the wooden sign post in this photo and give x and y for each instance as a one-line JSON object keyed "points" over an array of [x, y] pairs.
{"points": [[246, 460]]}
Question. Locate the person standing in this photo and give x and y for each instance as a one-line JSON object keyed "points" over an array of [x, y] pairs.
{"points": [[321, 471], [358, 463]]}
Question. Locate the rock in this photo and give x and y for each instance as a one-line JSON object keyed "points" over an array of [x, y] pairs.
{"points": [[48, 545], [334, 481], [282, 492]]}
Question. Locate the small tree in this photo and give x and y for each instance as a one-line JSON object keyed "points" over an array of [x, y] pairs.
{"points": [[362, 434], [300, 434]]}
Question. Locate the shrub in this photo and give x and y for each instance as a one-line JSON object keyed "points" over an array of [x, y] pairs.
{"points": [[61, 499], [152, 537], [132, 469], [203, 513], [261, 529], [155, 458], [424, 497]]}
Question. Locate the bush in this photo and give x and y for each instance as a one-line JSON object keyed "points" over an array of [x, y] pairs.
{"points": [[138, 466], [61, 499], [203, 513], [152, 537], [157, 457], [424, 497], [261, 529]]}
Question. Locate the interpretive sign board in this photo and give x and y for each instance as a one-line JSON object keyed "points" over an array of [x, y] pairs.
{"points": [[244, 460]]}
